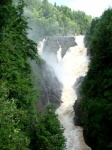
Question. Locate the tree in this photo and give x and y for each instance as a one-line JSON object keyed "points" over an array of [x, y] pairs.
{"points": [[20, 124], [49, 131], [96, 104], [90, 32], [49, 20], [17, 94], [12, 137]]}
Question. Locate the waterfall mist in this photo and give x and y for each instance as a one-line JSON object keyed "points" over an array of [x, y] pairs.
{"points": [[68, 69], [53, 60]]}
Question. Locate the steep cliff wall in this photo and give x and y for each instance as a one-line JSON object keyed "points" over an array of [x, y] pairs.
{"points": [[50, 86]]}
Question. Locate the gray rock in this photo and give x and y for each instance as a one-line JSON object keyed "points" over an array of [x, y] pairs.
{"points": [[77, 118], [76, 86], [53, 44]]}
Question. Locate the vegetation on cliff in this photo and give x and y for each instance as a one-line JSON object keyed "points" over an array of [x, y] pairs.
{"points": [[96, 89], [21, 127], [48, 20]]}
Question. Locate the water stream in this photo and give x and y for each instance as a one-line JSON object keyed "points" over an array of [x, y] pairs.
{"points": [[67, 69]]}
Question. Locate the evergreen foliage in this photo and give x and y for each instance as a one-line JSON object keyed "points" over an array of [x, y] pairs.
{"points": [[49, 132], [19, 120], [96, 90], [90, 32], [49, 20], [17, 98]]}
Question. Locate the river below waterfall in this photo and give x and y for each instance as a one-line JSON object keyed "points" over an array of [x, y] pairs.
{"points": [[68, 69]]}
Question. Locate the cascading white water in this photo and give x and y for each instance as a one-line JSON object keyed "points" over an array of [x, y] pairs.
{"points": [[67, 69], [75, 64]]}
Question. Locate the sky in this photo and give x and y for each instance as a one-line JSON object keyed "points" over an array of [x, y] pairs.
{"points": [[95, 8]]}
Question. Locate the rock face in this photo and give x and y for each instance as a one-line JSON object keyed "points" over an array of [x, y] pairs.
{"points": [[77, 85], [50, 87], [77, 118], [49, 84], [53, 44]]}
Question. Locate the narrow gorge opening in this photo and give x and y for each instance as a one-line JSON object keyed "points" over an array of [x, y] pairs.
{"points": [[68, 64]]}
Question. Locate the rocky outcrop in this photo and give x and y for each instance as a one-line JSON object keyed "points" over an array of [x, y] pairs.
{"points": [[53, 44], [49, 89], [77, 85], [77, 117], [51, 84], [66, 43], [44, 76]]}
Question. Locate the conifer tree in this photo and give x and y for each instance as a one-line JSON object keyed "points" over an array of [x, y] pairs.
{"points": [[96, 104], [17, 100], [20, 123]]}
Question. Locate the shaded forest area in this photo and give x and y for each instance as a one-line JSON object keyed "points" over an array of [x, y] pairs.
{"points": [[96, 90], [21, 127]]}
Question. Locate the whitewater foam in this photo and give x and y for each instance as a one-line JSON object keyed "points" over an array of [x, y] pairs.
{"points": [[67, 69], [75, 64]]}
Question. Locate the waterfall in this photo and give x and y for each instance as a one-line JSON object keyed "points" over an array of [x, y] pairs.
{"points": [[75, 64], [67, 69]]}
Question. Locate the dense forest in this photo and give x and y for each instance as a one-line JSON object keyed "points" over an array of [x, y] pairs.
{"points": [[96, 90], [21, 127], [48, 20]]}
